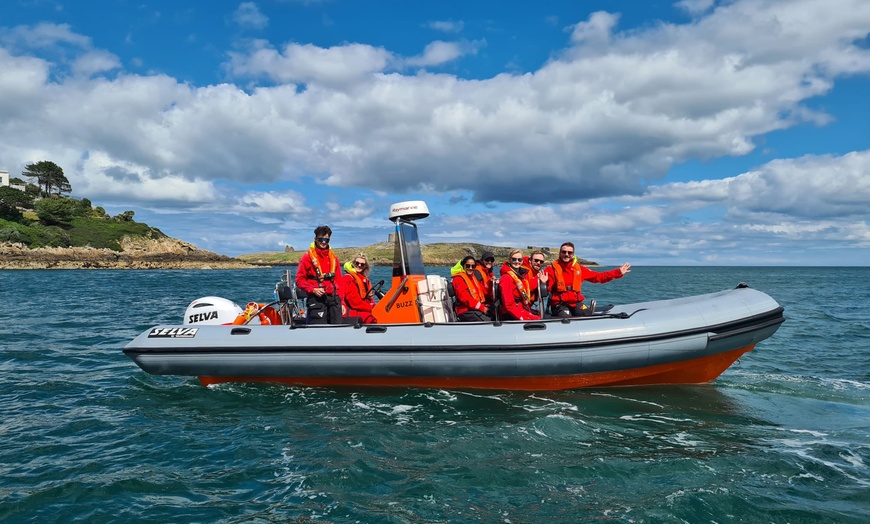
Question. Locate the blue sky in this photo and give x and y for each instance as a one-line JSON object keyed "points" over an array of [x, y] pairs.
{"points": [[692, 132]]}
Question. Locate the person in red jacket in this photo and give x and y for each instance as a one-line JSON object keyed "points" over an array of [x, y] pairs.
{"points": [[566, 277], [515, 289], [319, 275], [485, 274], [537, 276], [470, 294], [358, 293]]}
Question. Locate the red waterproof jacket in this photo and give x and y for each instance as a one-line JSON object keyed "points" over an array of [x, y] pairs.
{"points": [[565, 281], [308, 278], [484, 276], [358, 296], [533, 277], [470, 294], [515, 294]]}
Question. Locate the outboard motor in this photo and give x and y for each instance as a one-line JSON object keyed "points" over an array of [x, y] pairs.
{"points": [[211, 311]]}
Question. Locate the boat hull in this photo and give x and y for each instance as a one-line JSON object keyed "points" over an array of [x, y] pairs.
{"points": [[681, 341], [695, 371]]}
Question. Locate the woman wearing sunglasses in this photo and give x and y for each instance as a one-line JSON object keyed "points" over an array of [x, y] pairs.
{"points": [[358, 294], [471, 303], [515, 289]]}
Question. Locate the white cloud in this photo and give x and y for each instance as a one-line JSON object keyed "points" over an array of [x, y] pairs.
{"points": [[695, 7], [101, 177], [336, 67], [447, 26], [283, 202], [436, 53], [21, 82], [352, 214], [809, 187], [248, 16], [43, 36], [95, 62], [596, 30]]}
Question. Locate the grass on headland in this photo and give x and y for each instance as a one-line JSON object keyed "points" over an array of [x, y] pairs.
{"points": [[381, 254], [93, 232]]}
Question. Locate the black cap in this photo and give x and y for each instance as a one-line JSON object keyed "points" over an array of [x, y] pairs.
{"points": [[487, 254]]}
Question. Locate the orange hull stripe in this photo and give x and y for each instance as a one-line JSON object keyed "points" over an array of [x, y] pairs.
{"points": [[694, 371]]}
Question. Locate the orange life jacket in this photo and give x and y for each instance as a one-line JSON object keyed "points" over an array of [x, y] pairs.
{"points": [[333, 263], [576, 277], [362, 284], [522, 287], [483, 277], [532, 276], [475, 287]]}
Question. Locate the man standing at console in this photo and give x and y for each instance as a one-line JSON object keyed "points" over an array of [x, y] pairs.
{"points": [[319, 275]]}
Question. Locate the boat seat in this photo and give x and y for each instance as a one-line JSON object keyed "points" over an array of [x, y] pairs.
{"points": [[496, 301], [285, 292]]}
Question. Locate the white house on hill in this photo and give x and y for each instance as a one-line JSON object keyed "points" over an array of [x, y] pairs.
{"points": [[4, 181]]}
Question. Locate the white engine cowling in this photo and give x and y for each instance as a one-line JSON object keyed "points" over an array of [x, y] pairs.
{"points": [[211, 311]]}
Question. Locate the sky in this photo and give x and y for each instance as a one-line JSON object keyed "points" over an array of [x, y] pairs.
{"points": [[691, 132]]}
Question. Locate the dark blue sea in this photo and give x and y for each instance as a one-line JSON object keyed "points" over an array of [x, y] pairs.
{"points": [[86, 436]]}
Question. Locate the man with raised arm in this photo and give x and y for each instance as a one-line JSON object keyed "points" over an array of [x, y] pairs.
{"points": [[566, 277]]}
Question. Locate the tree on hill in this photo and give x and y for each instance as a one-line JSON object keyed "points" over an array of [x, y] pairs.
{"points": [[11, 200], [56, 211], [14, 197], [126, 216], [49, 177]]}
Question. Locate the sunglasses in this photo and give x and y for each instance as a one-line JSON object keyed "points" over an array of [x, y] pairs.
{"points": [[515, 259], [538, 260], [489, 260], [324, 240], [564, 252], [360, 264], [470, 266]]}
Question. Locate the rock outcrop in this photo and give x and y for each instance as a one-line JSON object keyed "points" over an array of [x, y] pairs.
{"points": [[137, 253]]}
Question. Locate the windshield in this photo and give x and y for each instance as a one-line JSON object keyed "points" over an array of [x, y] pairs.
{"points": [[408, 259]]}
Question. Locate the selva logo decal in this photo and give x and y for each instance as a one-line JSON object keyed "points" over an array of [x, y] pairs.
{"points": [[202, 317], [173, 333]]}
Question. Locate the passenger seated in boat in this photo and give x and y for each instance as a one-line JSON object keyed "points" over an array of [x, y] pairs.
{"points": [[319, 275], [358, 293], [470, 294], [534, 263], [515, 289], [566, 277], [485, 274]]}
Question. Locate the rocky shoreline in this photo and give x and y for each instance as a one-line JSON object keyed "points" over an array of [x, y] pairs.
{"points": [[139, 253]]}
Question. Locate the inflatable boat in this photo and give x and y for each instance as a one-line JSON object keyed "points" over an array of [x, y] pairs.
{"points": [[417, 342]]}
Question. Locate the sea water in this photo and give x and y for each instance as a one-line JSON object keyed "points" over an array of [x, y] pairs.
{"points": [[86, 436]]}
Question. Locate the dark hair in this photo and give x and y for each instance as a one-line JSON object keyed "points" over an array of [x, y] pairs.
{"points": [[567, 244], [322, 231], [466, 259]]}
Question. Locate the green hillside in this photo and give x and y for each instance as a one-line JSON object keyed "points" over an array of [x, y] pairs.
{"points": [[56, 221]]}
